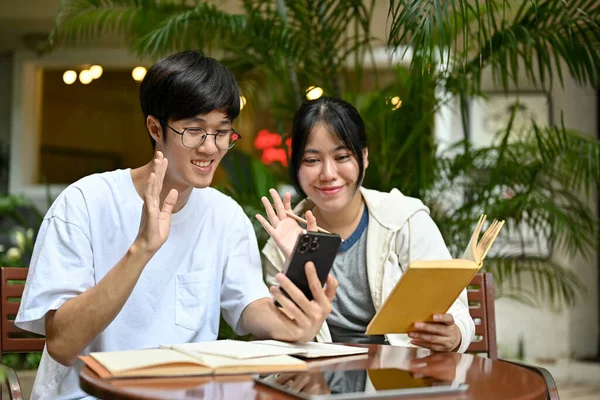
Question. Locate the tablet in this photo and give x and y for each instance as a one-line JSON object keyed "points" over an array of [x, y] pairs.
{"points": [[358, 384]]}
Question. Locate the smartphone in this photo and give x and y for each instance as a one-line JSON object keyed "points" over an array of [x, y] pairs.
{"points": [[321, 249]]}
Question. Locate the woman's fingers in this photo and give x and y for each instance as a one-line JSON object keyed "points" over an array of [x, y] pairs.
{"points": [[287, 201], [446, 319], [270, 230], [279, 207], [271, 215], [311, 221]]}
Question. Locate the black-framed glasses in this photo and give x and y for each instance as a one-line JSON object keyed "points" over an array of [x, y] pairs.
{"points": [[191, 138]]}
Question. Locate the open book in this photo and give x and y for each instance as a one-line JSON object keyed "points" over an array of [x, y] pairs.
{"points": [[430, 287], [219, 357], [317, 350]]}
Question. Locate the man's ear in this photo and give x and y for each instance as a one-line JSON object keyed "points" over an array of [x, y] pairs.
{"points": [[154, 128], [365, 157]]}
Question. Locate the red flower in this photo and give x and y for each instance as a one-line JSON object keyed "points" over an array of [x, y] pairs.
{"points": [[266, 139], [273, 155]]}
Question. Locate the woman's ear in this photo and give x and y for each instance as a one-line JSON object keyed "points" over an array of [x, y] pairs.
{"points": [[154, 128], [365, 157]]}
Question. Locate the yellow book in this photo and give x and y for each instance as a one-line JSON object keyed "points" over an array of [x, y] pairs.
{"points": [[430, 287], [186, 361]]}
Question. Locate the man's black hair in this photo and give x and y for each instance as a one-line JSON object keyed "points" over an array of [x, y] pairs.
{"points": [[187, 84]]}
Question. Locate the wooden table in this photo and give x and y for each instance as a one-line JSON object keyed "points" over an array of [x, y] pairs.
{"points": [[487, 379]]}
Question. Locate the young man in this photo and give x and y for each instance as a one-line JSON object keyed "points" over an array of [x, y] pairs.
{"points": [[137, 258]]}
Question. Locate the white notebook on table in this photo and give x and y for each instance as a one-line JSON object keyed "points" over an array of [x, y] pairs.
{"points": [[315, 349]]}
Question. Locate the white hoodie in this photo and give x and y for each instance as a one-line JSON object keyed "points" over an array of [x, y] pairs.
{"points": [[400, 230]]}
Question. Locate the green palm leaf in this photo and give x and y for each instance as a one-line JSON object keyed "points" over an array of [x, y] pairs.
{"points": [[551, 283], [542, 172], [279, 47], [531, 37]]}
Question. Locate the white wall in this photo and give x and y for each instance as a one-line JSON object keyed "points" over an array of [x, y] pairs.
{"points": [[572, 333], [580, 108]]}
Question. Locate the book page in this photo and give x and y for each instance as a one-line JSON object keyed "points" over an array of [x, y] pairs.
{"points": [[471, 252], [167, 370], [119, 361], [316, 350], [488, 238], [225, 365], [218, 362], [236, 349]]}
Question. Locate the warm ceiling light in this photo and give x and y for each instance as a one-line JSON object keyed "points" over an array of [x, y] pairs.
{"points": [[96, 71], [138, 73], [69, 77], [242, 102], [85, 76], [314, 92], [395, 101]]}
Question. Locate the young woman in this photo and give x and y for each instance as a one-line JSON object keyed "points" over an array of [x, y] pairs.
{"points": [[382, 232]]}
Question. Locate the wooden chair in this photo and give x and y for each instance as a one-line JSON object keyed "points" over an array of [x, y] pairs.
{"points": [[13, 339], [480, 293]]}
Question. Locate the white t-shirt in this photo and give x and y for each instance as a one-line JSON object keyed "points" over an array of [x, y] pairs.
{"points": [[209, 263]]}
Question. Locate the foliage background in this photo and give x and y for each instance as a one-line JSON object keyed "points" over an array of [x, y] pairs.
{"points": [[277, 48]]}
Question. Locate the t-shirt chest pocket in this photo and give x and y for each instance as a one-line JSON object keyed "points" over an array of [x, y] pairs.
{"points": [[193, 299]]}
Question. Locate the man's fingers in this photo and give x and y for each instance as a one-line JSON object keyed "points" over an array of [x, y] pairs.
{"points": [[156, 169], [311, 221], [295, 294], [291, 309], [149, 190], [163, 171], [300, 382], [316, 288], [279, 207], [170, 201], [282, 378]]}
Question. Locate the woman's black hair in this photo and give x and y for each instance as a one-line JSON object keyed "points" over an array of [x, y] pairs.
{"points": [[341, 118], [187, 84]]}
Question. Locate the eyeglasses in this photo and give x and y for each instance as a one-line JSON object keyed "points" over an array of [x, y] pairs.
{"points": [[191, 138]]}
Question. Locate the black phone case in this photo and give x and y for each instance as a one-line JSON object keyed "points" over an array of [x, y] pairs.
{"points": [[321, 249]]}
